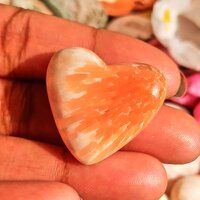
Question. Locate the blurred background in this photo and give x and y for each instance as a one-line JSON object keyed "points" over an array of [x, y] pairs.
{"points": [[173, 26]]}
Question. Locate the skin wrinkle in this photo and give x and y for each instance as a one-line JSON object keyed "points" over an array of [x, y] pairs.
{"points": [[25, 101], [26, 115], [9, 101], [65, 177], [94, 36], [3, 111], [5, 37], [5, 30], [25, 37], [21, 118], [24, 40], [59, 170], [185, 139]]}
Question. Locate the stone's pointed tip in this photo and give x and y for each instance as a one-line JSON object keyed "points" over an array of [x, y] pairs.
{"points": [[85, 162], [68, 60]]}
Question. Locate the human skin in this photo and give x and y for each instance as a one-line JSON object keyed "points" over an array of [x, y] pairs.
{"points": [[32, 190], [30, 146]]}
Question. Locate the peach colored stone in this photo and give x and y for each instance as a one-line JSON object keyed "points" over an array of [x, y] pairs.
{"points": [[99, 108]]}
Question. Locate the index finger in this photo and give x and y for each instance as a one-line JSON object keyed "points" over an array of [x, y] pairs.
{"points": [[123, 176], [29, 39]]}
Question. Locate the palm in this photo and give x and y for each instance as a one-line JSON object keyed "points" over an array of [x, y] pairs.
{"points": [[25, 113]]}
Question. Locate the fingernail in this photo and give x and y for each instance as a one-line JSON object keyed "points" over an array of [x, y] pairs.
{"points": [[183, 86]]}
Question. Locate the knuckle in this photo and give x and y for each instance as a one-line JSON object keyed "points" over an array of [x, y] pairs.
{"points": [[15, 38], [94, 36], [65, 169], [15, 107]]}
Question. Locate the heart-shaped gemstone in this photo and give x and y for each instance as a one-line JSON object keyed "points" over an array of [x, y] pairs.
{"points": [[99, 108]]}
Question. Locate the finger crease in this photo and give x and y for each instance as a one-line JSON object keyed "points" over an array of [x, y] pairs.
{"points": [[94, 36], [4, 38], [5, 30], [24, 120], [19, 40], [66, 173]]}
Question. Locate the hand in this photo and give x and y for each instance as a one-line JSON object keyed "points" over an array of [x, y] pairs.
{"points": [[31, 150]]}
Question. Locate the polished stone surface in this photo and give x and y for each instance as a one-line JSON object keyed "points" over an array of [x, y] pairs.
{"points": [[100, 108]]}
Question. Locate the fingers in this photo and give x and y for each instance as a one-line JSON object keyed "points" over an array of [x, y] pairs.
{"points": [[173, 137], [28, 45], [125, 175], [25, 112], [37, 191]]}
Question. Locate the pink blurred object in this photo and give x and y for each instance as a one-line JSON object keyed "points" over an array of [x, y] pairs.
{"points": [[196, 112], [192, 97], [187, 72], [194, 84], [154, 42], [188, 100]]}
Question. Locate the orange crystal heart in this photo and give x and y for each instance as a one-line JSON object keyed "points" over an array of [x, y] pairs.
{"points": [[100, 108]]}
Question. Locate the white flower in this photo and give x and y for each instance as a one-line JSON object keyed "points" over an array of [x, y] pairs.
{"points": [[177, 26]]}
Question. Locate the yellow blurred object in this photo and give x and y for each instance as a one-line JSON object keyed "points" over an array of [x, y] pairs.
{"points": [[167, 16], [177, 26]]}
